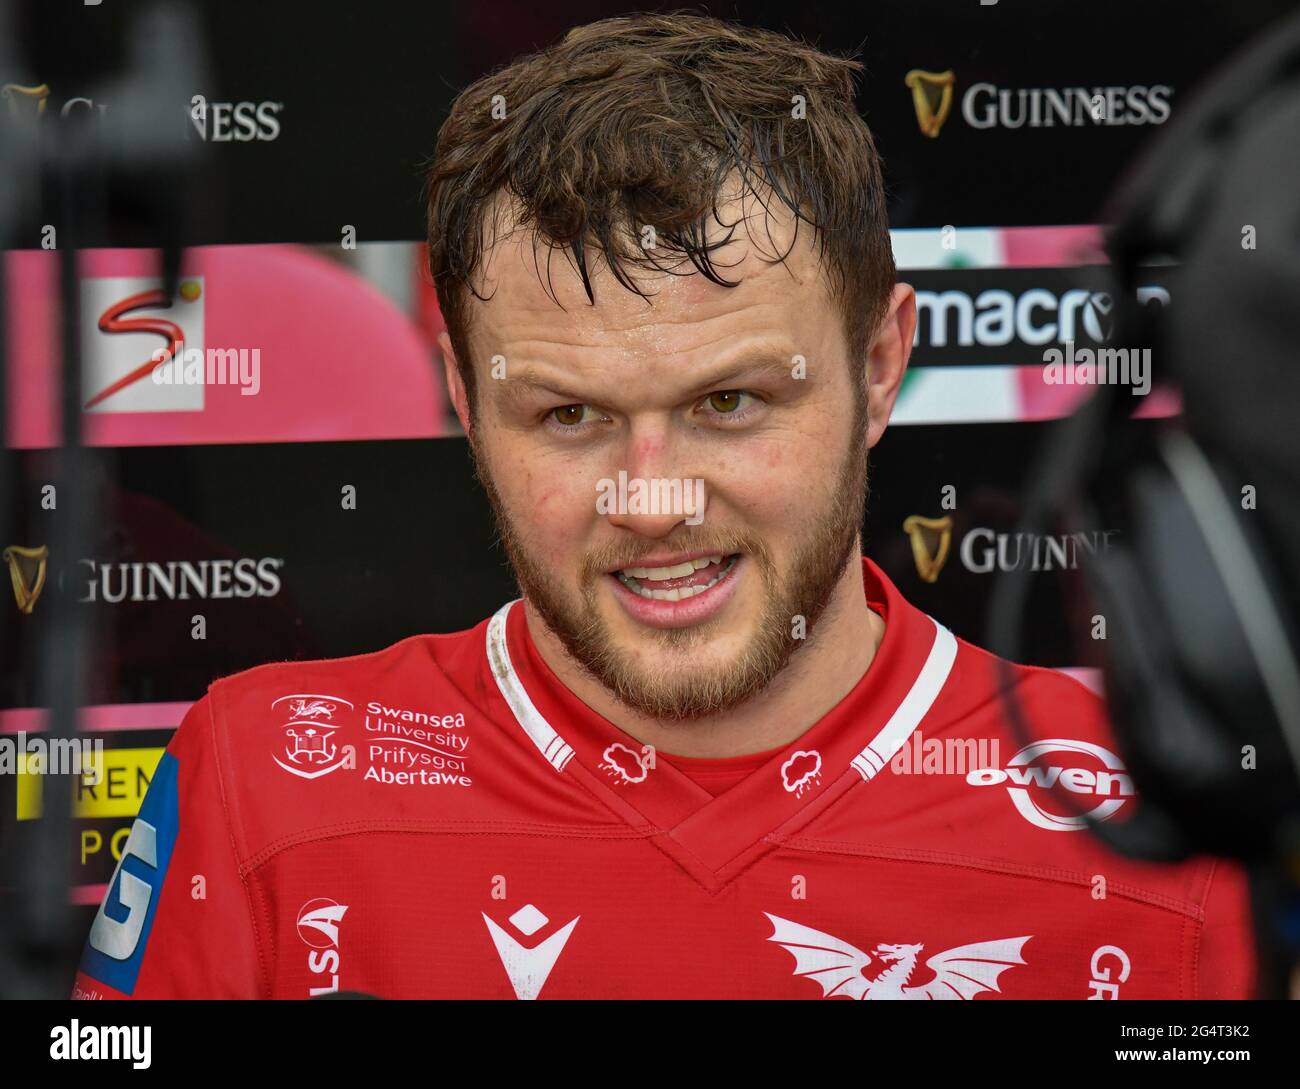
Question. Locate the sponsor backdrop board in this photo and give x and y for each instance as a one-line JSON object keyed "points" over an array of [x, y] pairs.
{"points": [[1000, 136], [983, 115]]}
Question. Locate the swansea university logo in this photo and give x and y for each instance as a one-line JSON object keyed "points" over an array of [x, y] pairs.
{"points": [[840, 969], [309, 749]]}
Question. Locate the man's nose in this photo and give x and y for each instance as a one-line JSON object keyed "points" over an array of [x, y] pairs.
{"points": [[656, 492]]}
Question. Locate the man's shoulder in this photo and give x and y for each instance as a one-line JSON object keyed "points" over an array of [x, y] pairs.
{"points": [[309, 714], [1003, 775], [1042, 738], [299, 748], [989, 689], [452, 656]]}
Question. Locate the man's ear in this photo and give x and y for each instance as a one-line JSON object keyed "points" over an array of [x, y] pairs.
{"points": [[887, 359], [455, 386]]}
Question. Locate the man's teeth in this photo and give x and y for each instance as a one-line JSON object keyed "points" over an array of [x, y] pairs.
{"points": [[659, 574]]}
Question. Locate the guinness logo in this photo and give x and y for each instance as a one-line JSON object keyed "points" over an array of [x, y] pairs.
{"points": [[932, 97], [27, 570], [14, 94], [931, 538]]}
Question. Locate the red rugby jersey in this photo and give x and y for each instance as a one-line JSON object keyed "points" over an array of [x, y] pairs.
{"points": [[445, 819]]}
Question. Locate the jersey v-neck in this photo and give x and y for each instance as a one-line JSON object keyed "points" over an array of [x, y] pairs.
{"points": [[719, 774], [714, 837]]}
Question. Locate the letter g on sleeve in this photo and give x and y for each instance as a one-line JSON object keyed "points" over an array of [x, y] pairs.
{"points": [[161, 933], [120, 933]]}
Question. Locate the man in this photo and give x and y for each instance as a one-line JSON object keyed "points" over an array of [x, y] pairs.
{"points": [[677, 767]]}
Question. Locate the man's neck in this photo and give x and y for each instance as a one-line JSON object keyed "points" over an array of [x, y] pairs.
{"points": [[816, 678]]}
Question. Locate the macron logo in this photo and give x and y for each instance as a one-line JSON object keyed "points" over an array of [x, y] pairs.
{"points": [[527, 968]]}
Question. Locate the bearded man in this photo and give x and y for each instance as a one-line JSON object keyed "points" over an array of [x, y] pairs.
{"points": [[672, 768]]}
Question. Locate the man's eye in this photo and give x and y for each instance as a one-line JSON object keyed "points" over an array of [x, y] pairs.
{"points": [[728, 402], [569, 415]]}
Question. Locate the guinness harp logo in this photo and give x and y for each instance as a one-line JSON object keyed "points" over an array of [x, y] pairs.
{"points": [[15, 94], [27, 569], [932, 97], [931, 539]]}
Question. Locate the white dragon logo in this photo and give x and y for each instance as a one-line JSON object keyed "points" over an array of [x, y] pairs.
{"points": [[311, 708], [838, 967]]}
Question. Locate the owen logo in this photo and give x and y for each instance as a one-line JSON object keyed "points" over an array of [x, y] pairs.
{"points": [[1031, 783]]}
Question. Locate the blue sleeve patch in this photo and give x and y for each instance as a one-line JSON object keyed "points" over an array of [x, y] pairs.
{"points": [[115, 949]]}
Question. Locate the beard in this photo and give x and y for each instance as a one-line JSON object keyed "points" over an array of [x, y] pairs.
{"points": [[696, 688]]}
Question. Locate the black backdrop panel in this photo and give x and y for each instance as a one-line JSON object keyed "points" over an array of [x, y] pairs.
{"points": [[343, 101]]}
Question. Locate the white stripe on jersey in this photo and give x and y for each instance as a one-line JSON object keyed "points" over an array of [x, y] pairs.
{"points": [[550, 744], [916, 704]]}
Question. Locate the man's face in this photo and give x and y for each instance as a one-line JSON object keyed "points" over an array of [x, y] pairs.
{"points": [[680, 610]]}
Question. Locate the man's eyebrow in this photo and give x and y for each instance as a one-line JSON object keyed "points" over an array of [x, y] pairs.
{"points": [[766, 366], [519, 387], [769, 367]]}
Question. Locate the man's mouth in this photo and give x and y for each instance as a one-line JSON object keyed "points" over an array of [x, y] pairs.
{"points": [[677, 582]]}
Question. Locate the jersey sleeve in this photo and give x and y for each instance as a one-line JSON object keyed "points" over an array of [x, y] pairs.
{"points": [[1227, 962], [176, 921]]}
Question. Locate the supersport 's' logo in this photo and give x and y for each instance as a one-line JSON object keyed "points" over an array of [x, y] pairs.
{"points": [[113, 321]]}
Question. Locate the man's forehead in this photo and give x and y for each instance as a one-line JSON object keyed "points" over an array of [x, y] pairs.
{"points": [[523, 278]]}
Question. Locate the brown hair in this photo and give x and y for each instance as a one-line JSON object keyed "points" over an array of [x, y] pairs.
{"points": [[642, 120]]}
